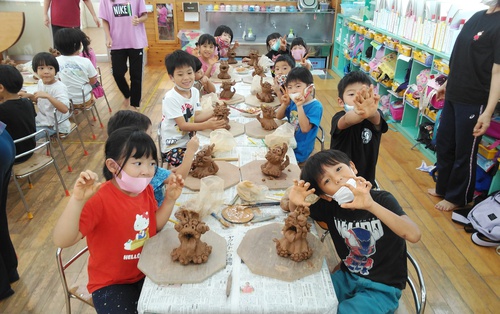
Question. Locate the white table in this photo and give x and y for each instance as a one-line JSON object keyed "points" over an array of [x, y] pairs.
{"points": [[250, 293]]}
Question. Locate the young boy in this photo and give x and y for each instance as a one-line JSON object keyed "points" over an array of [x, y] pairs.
{"points": [[302, 110], [124, 118], [224, 37], [358, 128], [202, 83], [17, 113], [369, 233], [180, 118], [282, 66]]}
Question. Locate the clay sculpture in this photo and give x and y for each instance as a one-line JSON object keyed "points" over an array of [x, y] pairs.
{"points": [[267, 121], [190, 228], [231, 55], [221, 112], [227, 90], [277, 160], [294, 244], [258, 70], [203, 165], [224, 68], [254, 57], [266, 95]]}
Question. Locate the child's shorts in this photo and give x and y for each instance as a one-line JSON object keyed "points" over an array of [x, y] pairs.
{"points": [[174, 156]]}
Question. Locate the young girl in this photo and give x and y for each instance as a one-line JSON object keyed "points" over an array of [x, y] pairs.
{"points": [[206, 47], [116, 217], [276, 46], [88, 52], [202, 83], [298, 50], [52, 94], [224, 37]]}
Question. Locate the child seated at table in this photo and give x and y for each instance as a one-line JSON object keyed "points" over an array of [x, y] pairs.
{"points": [[276, 46], [202, 83], [302, 110], [51, 94], [117, 217], [282, 66], [299, 51], [181, 110], [357, 130], [368, 230], [224, 37], [206, 49]]}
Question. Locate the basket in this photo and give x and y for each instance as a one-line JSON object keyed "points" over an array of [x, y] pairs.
{"points": [[396, 113]]}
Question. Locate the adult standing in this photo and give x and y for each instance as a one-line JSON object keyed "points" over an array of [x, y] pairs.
{"points": [[123, 23], [8, 257], [66, 14], [471, 95]]}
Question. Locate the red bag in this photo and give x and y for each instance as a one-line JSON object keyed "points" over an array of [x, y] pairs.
{"points": [[494, 128], [97, 90]]}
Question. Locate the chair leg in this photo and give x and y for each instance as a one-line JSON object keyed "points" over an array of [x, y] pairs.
{"points": [[90, 124], [63, 152], [107, 102], [85, 153], [98, 116], [60, 177], [26, 207]]}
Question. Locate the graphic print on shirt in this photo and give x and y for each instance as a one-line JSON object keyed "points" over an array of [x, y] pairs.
{"points": [[366, 136], [122, 9], [188, 114], [141, 225], [294, 119], [361, 239]]}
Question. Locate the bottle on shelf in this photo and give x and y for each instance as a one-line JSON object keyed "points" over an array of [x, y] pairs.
{"points": [[291, 35]]}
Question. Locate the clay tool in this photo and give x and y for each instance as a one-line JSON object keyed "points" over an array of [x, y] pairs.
{"points": [[262, 204], [226, 158], [251, 141], [173, 221], [229, 284], [222, 221], [235, 198]]}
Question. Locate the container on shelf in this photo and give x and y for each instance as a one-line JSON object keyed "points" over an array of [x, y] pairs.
{"points": [[396, 112], [487, 152], [405, 50], [379, 38]]}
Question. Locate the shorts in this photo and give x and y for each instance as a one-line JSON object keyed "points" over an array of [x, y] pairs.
{"points": [[174, 156]]}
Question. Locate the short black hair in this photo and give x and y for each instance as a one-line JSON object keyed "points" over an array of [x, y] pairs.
{"points": [[300, 74], [178, 59], [298, 41], [286, 58], [351, 78], [44, 59], [314, 167], [69, 40], [206, 39], [197, 64], [127, 118], [270, 37], [11, 78], [223, 29]]}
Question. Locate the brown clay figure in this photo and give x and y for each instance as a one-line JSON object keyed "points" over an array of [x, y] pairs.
{"points": [[224, 68], [266, 95], [294, 244], [221, 112], [227, 90], [190, 228], [267, 121], [231, 55], [258, 70], [254, 57], [203, 165], [277, 160]]}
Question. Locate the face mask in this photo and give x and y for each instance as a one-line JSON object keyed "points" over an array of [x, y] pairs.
{"points": [[348, 108], [131, 184], [276, 45], [183, 89], [490, 3], [298, 54], [293, 96], [344, 195], [282, 79]]}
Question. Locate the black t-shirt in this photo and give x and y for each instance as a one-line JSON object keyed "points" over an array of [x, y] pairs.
{"points": [[366, 246], [361, 142], [19, 116], [476, 49]]}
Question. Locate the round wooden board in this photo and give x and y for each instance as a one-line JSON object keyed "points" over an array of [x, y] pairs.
{"points": [[235, 130], [258, 251], [254, 128], [252, 172], [253, 101], [236, 99], [228, 172], [237, 214]]}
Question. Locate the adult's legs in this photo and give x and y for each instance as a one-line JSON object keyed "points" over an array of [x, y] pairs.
{"points": [[119, 65], [117, 299], [445, 147], [136, 69]]}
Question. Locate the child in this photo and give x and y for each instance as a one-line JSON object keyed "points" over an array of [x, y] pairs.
{"points": [[52, 94], [282, 66], [298, 50], [124, 118], [206, 47], [357, 131], [116, 217], [302, 110], [224, 37], [179, 109], [17, 113], [202, 83], [88, 52], [276, 45], [369, 233], [76, 71]]}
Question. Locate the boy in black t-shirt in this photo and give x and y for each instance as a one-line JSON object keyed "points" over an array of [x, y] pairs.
{"points": [[357, 129], [368, 231]]}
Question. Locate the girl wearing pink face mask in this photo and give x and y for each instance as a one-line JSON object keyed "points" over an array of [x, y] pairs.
{"points": [[117, 217], [299, 51]]}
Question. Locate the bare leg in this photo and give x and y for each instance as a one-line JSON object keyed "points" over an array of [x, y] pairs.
{"points": [[433, 193], [126, 102]]}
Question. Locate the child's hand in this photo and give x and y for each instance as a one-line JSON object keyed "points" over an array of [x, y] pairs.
{"points": [[215, 124], [86, 185], [299, 192], [40, 94], [245, 59], [366, 102], [285, 98], [283, 43], [193, 144], [174, 185], [204, 80], [25, 94], [236, 44], [213, 60], [303, 61], [362, 197]]}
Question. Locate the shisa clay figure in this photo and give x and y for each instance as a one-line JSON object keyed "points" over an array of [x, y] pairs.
{"points": [[227, 90], [258, 70], [190, 228], [267, 121], [277, 160], [224, 68], [254, 58], [8, 61], [231, 55], [294, 244], [221, 112], [203, 165], [266, 95], [54, 52]]}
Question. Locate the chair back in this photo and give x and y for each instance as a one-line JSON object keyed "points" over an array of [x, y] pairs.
{"points": [[419, 292], [158, 132], [320, 136]]}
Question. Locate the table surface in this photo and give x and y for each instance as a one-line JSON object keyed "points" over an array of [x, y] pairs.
{"points": [[250, 293]]}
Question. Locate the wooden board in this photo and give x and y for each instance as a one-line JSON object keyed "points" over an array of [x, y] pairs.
{"points": [[249, 79], [252, 100], [12, 26], [236, 99], [258, 251], [157, 264], [233, 77], [253, 173], [237, 214], [236, 129], [228, 172], [254, 129]]}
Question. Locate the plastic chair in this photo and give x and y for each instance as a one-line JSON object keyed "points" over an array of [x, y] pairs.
{"points": [[99, 77], [79, 292], [321, 138], [36, 162], [74, 127], [89, 105]]}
